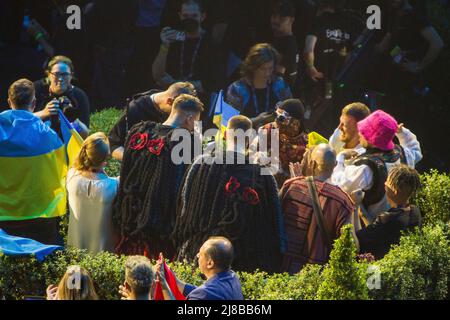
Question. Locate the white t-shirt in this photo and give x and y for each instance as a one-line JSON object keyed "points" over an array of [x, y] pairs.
{"points": [[90, 204]]}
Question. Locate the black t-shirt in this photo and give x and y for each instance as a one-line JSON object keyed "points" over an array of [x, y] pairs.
{"points": [[265, 102], [183, 65], [334, 35], [141, 108], [288, 48], [378, 237], [77, 97], [405, 28]]}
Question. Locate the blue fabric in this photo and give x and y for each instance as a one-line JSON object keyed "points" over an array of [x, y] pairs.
{"points": [[22, 134], [16, 246], [223, 286]]}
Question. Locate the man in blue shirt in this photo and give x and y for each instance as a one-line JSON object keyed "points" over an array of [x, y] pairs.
{"points": [[214, 260]]}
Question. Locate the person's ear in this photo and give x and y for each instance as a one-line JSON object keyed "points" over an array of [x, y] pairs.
{"points": [[203, 17], [180, 15], [33, 105], [127, 286], [9, 103], [210, 264]]}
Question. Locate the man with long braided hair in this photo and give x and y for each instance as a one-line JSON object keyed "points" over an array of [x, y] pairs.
{"points": [[145, 207], [233, 201]]}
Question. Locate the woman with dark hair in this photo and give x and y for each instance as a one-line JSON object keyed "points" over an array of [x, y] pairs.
{"points": [[56, 91], [259, 89]]}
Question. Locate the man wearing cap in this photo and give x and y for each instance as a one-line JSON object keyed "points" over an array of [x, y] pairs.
{"points": [[369, 171], [292, 136]]}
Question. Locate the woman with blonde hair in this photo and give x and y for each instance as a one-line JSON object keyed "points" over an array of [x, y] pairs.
{"points": [[91, 193], [259, 89], [76, 284]]}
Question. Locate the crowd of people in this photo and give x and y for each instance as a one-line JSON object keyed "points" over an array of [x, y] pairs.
{"points": [[227, 216]]}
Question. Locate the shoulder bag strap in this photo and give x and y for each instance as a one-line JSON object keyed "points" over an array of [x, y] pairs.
{"points": [[318, 211]]}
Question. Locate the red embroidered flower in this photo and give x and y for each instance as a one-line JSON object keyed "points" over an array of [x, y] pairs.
{"points": [[250, 196], [232, 186], [138, 141], [155, 146]]}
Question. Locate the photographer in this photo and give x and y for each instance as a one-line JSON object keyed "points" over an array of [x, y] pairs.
{"points": [[56, 91], [328, 44], [187, 55]]}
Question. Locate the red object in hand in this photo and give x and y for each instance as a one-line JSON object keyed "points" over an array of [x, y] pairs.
{"points": [[171, 281]]}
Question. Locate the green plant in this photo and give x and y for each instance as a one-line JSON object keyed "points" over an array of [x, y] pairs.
{"points": [[433, 197], [418, 268], [344, 278], [104, 121]]}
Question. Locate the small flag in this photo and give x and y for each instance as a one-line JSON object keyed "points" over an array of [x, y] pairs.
{"points": [[223, 112], [172, 282]]}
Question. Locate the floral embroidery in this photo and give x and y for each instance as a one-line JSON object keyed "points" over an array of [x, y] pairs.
{"points": [[232, 186], [250, 196], [155, 146], [138, 141]]}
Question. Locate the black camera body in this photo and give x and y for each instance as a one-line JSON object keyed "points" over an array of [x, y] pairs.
{"points": [[70, 112]]}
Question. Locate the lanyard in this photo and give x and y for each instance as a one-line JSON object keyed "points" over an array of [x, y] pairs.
{"points": [[255, 99], [194, 57]]}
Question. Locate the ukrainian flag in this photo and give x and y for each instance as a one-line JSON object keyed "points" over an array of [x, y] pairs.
{"points": [[33, 168], [72, 140], [223, 112]]}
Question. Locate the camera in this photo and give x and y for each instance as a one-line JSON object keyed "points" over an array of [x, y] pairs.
{"points": [[70, 112]]}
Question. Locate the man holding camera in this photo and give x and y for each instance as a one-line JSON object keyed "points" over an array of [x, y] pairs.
{"points": [[186, 55]]}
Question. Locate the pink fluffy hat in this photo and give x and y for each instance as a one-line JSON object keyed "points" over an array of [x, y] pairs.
{"points": [[379, 130]]}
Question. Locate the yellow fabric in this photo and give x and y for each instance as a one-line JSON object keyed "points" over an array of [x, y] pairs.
{"points": [[33, 187], [315, 139], [74, 146]]}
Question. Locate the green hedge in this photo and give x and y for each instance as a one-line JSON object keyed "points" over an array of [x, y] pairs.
{"points": [[418, 268]]}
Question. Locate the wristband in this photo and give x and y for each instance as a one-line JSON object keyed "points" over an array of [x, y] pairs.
{"points": [[164, 48]]}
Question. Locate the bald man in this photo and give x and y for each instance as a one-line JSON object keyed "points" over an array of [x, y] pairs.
{"points": [[307, 241], [214, 260]]}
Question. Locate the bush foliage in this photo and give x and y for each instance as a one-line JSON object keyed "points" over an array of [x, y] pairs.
{"points": [[417, 268]]}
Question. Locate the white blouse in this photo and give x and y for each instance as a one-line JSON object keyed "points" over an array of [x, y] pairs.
{"points": [[90, 203]]}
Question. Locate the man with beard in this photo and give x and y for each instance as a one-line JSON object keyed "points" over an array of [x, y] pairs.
{"points": [[369, 171], [232, 200], [187, 54], [144, 209]]}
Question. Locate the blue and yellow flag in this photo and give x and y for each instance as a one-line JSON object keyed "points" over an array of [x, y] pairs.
{"points": [[33, 168], [72, 140], [223, 112]]}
